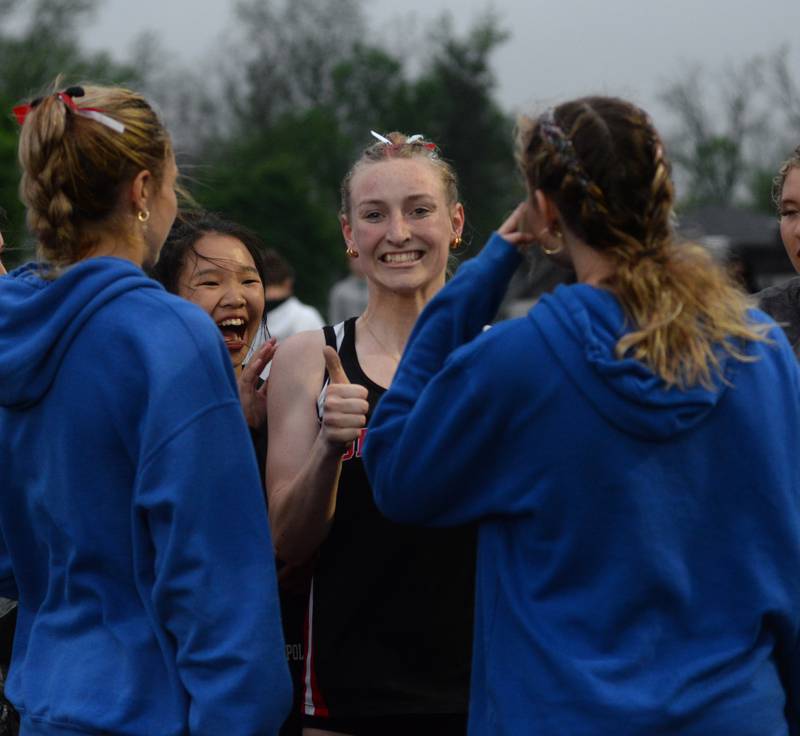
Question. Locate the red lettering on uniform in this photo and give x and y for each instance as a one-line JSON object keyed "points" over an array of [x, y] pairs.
{"points": [[354, 449]]}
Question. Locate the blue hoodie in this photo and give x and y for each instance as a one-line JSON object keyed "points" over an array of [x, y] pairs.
{"points": [[639, 549], [132, 525]]}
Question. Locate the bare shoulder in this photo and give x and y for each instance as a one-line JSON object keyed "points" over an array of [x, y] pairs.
{"points": [[299, 360]]}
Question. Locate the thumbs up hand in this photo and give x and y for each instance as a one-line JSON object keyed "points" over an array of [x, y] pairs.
{"points": [[345, 410]]}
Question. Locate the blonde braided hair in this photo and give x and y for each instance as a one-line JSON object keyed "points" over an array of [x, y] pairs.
{"points": [[73, 167]]}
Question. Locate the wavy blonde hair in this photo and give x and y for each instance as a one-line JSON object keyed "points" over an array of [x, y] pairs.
{"points": [[611, 183]]}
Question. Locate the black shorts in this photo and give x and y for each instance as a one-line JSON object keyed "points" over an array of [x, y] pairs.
{"points": [[439, 724]]}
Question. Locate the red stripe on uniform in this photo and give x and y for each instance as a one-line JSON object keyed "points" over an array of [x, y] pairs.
{"points": [[314, 703]]}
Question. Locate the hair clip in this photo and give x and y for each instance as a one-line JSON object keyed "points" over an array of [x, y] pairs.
{"points": [[21, 112], [416, 138], [558, 139], [419, 138], [381, 138]]}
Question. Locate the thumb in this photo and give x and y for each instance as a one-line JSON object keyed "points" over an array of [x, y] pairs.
{"points": [[334, 365]]}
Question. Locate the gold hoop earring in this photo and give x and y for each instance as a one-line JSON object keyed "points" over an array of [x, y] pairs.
{"points": [[456, 243], [552, 251], [557, 235], [144, 215], [351, 252]]}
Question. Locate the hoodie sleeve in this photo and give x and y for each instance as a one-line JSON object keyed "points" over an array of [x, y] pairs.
{"points": [[427, 435], [205, 534]]}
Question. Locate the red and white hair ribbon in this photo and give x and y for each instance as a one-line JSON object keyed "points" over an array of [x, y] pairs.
{"points": [[21, 112]]}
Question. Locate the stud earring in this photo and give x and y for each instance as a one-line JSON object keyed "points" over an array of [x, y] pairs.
{"points": [[144, 215], [351, 252], [456, 242]]}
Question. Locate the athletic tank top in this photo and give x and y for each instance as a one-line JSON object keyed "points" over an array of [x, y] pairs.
{"points": [[389, 624]]}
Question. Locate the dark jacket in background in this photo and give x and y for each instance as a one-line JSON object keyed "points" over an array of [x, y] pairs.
{"points": [[782, 303]]}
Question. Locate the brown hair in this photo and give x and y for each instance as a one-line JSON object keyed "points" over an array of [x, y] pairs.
{"points": [[401, 148], [793, 162], [602, 163], [73, 166]]}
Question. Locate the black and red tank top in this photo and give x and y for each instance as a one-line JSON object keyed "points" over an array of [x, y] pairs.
{"points": [[389, 625]]}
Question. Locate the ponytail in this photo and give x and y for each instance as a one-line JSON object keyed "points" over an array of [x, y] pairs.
{"points": [[75, 159], [602, 163]]}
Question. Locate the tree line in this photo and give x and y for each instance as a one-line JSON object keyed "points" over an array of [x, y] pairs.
{"points": [[267, 128]]}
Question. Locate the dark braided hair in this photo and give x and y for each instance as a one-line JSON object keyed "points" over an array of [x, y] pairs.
{"points": [[602, 163]]}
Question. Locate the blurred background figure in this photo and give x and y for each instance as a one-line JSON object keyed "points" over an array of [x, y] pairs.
{"points": [[348, 297], [782, 301], [286, 314]]}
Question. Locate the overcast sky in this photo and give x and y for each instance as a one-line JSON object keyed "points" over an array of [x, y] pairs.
{"points": [[558, 48]]}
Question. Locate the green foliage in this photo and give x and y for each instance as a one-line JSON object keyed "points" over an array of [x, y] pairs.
{"points": [[455, 99], [47, 46], [282, 183], [732, 132], [759, 187], [302, 87], [286, 58], [713, 166], [306, 95], [12, 225]]}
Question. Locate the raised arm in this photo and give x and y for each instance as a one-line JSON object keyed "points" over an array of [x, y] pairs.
{"points": [[305, 455], [438, 406]]}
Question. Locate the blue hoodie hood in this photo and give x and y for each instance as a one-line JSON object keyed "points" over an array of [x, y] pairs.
{"points": [[626, 392], [40, 317]]}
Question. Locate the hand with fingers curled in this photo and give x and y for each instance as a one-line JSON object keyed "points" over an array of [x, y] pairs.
{"points": [[345, 410], [253, 396]]}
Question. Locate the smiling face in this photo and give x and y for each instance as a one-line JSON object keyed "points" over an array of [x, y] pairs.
{"points": [[401, 224], [790, 216], [220, 276]]}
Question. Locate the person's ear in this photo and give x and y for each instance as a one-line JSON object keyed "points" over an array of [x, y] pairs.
{"points": [[545, 209], [347, 231], [457, 219], [141, 193]]}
